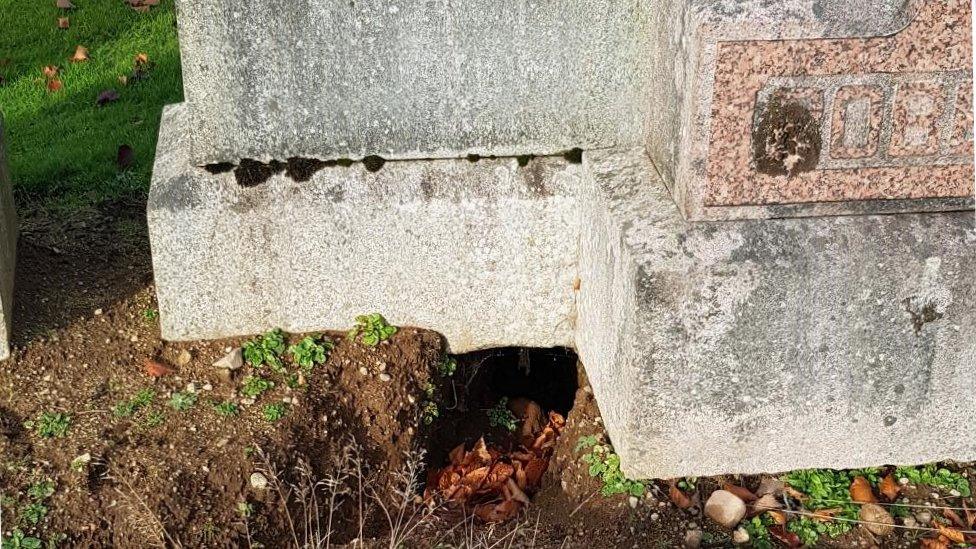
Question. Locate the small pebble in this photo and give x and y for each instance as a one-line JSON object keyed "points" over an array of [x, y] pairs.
{"points": [[363, 370], [633, 502], [207, 387], [134, 338], [184, 358], [259, 481], [98, 312], [385, 377], [954, 493], [655, 516], [740, 536]]}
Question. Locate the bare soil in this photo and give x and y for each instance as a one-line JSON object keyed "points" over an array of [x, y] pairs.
{"points": [[84, 329]]}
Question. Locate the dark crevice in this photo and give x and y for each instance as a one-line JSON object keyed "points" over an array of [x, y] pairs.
{"points": [[250, 172]]}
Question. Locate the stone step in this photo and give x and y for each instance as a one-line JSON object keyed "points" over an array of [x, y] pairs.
{"points": [[771, 345], [483, 252]]}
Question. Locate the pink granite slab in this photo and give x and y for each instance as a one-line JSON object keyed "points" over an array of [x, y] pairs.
{"points": [[894, 119]]}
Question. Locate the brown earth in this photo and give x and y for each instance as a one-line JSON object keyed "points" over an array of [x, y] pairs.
{"points": [[84, 329]]}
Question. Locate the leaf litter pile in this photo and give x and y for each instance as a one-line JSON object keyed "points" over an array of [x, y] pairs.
{"points": [[495, 481]]}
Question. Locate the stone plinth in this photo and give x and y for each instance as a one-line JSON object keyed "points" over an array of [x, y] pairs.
{"points": [[483, 252], [8, 249], [275, 79], [760, 346], [783, 113]]}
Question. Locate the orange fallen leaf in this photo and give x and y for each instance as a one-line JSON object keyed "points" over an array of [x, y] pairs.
{"points": [[679, 498], [475, 478], [741, 492], [50, 71], [64, 4], [784, 536], [889, 487], [534, 471], [457, 454], [514, 492], [497, 512], [795, 494], [155, 368], [929, 543], [826, 514], [951, 534], [63, 22], [141, 59], [861, 491], [779, 517], [81, 54], [500, 472], [970, 515], [53, 85]]}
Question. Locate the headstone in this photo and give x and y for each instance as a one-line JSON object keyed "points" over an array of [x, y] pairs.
{"points": [[798, 118], [771, 345], [8, 248], [275, 79], [407, 158]]}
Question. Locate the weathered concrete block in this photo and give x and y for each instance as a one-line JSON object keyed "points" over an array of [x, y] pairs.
{"points": [[752, 346], [410, 79], [8, 249], [798, 108], [483, 252]]}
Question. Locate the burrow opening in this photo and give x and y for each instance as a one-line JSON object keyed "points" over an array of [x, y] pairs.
{"points": [[548, 377]]}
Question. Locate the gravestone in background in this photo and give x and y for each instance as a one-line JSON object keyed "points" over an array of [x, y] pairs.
{"points": [[752, 344], [8, 248]]}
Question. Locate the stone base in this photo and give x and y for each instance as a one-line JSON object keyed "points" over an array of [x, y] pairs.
{"points": [[483, 252], [8, 249], [761, 346]]}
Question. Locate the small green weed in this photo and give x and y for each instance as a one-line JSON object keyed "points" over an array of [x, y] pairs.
{"points": [[128, 408], [447, 367], [933, 475], [758, 530], [150, 314], [688, 484], [310, 351], [50, 425], [267, 349], [19, 540], [826, 489], [182, 401], [371, 329], [428, 389], [274, 412], [245, 509], [605, 464], [227, 409], [255, 386], [33, 513], [154, 418], [41, 490], [429, 412], [500, 416]]}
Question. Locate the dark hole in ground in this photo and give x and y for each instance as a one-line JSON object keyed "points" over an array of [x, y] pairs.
{"points": [[548, 377], [574, 156], [524, 159], [302, 169], [220, 167]]}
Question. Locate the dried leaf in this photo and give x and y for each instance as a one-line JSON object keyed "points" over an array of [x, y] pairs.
{"points": [[123, 80], [63, 22], [475, 478], [824, 515], [155, 368], [515, 492], [861, 491], [534, 471], [779, 517], [141, 9], [64, 4], [970, 515], [499, 473], [678, 497], [766, 503], [770, 485], [784, 536], [934, 544], [141, 60], [107, 96], [742, 493], [54, 85], [889, 487], [457, 455], [500, 512], [951, 534], [955, 518], [795, 494], [50, 71], [125, 157], [81, 54], [530, 414], [876, 520]]}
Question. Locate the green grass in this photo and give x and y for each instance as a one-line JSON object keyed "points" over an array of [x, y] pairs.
{"points": [[61, 147]]}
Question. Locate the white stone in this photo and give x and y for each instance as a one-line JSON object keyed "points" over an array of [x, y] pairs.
{"points": [[231, 361], [258, 481], [725, 508]]}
